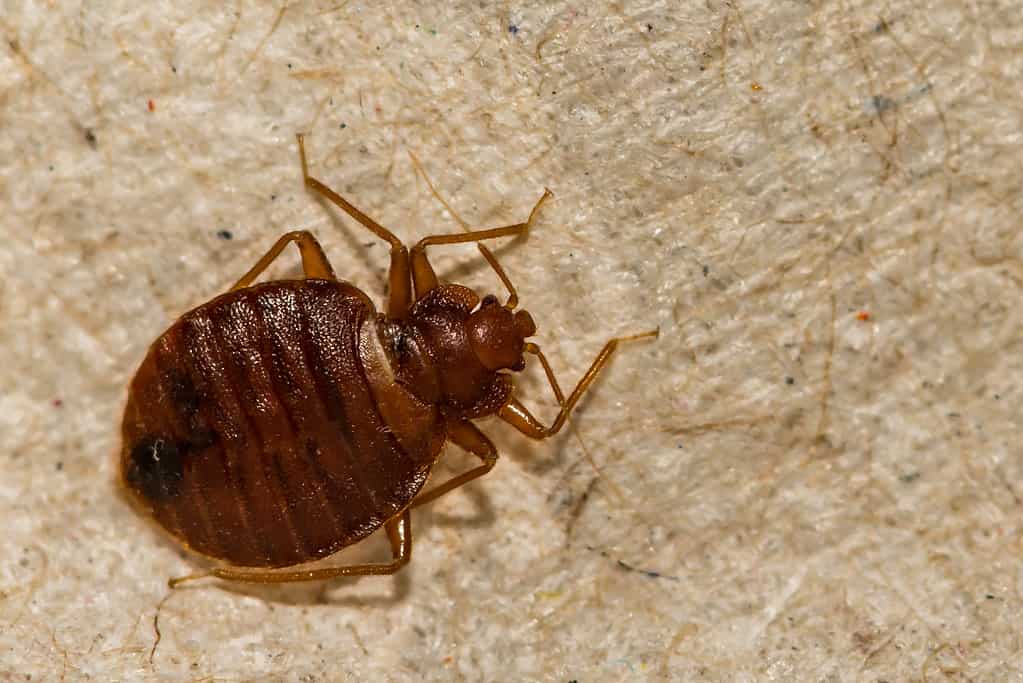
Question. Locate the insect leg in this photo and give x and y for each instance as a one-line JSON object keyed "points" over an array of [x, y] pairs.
{"points": [[518, 416], [422, 272], [314, 261], [400, 296], [513, 297], [399, 532], [466, 435]]}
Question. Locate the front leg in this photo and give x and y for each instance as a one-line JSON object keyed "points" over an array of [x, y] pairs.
{"points": [[518, 416], [425, 279]]}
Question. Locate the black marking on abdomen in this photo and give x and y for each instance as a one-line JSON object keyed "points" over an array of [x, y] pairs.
{"points": [[184, 401], [156, 467], [182, 393]]}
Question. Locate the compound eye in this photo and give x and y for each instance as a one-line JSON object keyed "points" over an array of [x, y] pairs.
{"points": [[489, 300]]}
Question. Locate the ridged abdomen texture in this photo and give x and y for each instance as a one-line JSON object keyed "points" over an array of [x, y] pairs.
{"points": [[251, 432]]}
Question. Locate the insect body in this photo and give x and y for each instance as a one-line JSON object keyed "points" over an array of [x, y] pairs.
{"points": [[283, 421]]}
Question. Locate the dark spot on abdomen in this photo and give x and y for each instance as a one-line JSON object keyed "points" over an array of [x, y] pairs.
{"points": [[185, 404], [156, 467], [183, 394]]}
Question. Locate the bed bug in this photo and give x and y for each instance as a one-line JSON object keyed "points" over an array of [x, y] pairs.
{"points": [[283, 421]]}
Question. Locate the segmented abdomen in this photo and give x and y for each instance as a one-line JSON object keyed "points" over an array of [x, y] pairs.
{"points": [[251, 432]]}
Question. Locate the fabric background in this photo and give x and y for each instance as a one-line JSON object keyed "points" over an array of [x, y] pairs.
{"points": [[813, 474]]}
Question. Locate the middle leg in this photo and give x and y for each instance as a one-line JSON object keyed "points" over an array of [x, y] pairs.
{"points": [[466, 435], [399, 296]]}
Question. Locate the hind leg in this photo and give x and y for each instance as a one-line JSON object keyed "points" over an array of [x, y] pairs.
{"points": [[399, 532], [314, 261]]}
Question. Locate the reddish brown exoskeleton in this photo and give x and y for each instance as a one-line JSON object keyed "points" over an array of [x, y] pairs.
{"points": [[283, 421]]}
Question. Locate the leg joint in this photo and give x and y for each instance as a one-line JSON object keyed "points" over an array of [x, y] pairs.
{"points": [[402, 560]]}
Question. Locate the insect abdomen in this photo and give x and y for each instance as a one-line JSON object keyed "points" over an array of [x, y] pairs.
{"points": [[251, 431]]}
